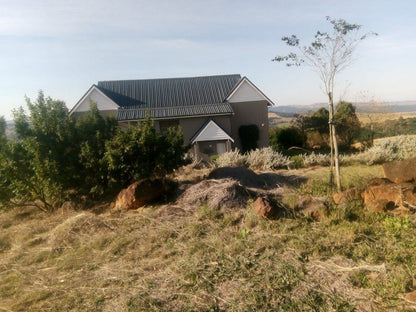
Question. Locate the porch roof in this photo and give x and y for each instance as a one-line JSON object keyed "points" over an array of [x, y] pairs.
{"points": [[211, 131]]}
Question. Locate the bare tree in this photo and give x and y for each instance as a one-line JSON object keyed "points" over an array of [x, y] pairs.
{"points": [[328, 54]]}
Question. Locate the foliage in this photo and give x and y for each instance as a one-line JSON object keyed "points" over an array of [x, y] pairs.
{"points": [[54, 158], [266, 159], [284, 138], [328, 54], [231, 159], [249, 135], [346, 122], [42, 163], [140, 152], [93, 131]]}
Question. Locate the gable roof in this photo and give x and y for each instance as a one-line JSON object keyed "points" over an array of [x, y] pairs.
{"points": [[253, 86], [210, 131], [170, 92]]}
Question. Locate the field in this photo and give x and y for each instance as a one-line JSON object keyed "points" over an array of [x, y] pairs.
{"points": [[176, 258]]}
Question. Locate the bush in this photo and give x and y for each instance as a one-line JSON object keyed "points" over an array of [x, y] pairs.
{"points": [[140, 152], [266, 159], [316, 160], [284, 138], [230, 159]]}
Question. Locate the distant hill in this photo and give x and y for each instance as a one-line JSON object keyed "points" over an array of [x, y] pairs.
{"points": [[362, 107]]}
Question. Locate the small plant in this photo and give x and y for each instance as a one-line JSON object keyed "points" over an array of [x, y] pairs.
{"points": [[230, 159], [266, 159]]}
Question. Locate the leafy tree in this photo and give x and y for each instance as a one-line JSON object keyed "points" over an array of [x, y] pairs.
{"points": [[346, 122], [249, 135], [42, 163], [140, 152], [328, 54], [284, 138], [93, 131], [3, 138]]}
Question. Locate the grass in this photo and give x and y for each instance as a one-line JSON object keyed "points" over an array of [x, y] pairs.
{"points": [[206, 260]]}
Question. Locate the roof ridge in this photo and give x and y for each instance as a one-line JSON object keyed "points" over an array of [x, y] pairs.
{"points": [[172, 78]]}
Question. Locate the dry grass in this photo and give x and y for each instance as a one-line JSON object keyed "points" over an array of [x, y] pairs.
{"points": [[366, 118], [169, 258]]}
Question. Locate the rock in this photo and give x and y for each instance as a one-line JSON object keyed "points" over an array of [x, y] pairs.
{"points": [[312, 207], [386, 196], [401, 171], [411, 296], [345, 196], [263, 208], [139, 194]]}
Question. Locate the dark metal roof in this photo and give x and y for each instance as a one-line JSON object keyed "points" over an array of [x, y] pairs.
{"points": [[138, 112], [170, 92]]}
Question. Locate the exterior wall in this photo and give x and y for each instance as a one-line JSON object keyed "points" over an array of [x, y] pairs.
{"points": [[104, 103], [248, 113], [191, 125]]}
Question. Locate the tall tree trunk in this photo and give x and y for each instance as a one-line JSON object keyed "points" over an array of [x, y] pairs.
{"points": [[334, 147]]}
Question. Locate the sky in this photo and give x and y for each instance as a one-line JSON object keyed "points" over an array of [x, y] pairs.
{"points": [[63, 47]]}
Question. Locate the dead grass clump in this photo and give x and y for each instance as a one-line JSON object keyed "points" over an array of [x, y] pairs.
{"points": [[216, 194], [73, 229]]}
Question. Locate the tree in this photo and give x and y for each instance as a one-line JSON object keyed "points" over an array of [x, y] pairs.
{"points": [[42, 163], [93, 132], [3, 138], [140, 152], [328, 54], [284, 138], [346, 122]]}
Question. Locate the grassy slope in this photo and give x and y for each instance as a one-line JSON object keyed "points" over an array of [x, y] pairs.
{"points": [[197, 259]]}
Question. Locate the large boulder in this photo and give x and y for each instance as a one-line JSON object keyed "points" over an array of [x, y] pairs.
{"points": [[401, 171], [383, 195], [139, 194]]}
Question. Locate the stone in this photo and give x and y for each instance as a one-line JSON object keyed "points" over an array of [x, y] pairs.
{"points": [[139, 194], [401, 171], [263, 208], [411, 296], [348, 195]]}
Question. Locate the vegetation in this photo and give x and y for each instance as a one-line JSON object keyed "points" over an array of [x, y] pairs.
{"points": [[207, 260], [54, 158], [328, 55]]}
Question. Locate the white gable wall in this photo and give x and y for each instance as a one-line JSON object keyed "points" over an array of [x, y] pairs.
{"points": [[104, 103], [212, 132], [246, 93]]}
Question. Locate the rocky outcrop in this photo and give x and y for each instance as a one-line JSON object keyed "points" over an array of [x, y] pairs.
{"points": [[401, 171], [139, 194]]}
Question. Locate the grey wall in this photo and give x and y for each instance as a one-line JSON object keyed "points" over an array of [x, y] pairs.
{"points": [[248, 113]]}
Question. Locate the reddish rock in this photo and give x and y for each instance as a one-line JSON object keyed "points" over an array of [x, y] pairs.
{"points": [[400, 171], [345, 196], [263, 208], [139, 194], [411, 296]]}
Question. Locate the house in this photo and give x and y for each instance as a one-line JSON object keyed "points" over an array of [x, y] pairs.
{"points": [[209, 109]]}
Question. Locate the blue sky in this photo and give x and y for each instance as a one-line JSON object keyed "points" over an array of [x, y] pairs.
{"points": [[63, 47]]}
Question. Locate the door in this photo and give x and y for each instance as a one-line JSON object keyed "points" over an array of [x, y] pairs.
{"points": [[221, 148]]}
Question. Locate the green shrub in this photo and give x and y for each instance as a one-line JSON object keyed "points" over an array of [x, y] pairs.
{"points": [[140, 152], [296, 161], [284, 138]]}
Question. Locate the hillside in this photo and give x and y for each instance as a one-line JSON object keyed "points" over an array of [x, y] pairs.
{"points": [[362, 107], [194, 258]]}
